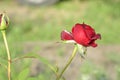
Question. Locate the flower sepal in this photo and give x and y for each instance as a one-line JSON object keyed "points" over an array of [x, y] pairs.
{"points": [[82, 50]]}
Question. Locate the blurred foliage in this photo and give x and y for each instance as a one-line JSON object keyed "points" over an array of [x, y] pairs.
{"points": [[90, 72]]}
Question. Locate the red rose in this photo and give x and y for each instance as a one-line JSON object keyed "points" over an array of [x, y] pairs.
{"points": [[82, 34]]}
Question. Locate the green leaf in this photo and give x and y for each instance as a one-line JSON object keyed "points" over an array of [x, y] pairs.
{"points": [[23, 74]]}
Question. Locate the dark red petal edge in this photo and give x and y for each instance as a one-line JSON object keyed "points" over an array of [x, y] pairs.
{"points": [[97, 36], [92, 43]]}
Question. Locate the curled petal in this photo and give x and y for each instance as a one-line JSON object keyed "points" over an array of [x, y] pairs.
{"points": [[93, 44], [65, 35], [97, 36]]}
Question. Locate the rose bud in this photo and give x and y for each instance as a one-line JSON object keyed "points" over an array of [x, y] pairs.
{"points": [[4, 21], [82, 34]]}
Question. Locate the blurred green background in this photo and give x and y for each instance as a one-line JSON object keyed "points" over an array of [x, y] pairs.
{"points": [[35, 23], [30, 23]]}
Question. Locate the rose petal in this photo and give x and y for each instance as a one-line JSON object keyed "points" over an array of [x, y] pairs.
{"points": [[93, 44], [65, 35], [79, 35], [90, 32]]}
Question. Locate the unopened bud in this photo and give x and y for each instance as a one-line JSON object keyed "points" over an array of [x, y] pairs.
{"points": [[4, 21]]}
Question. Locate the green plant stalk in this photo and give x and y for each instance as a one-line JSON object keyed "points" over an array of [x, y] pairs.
{"points": [[8, 54], [68, 63]]}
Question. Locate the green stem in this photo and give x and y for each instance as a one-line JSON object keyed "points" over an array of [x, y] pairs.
{"points": [[68, 63], [8, 54]]}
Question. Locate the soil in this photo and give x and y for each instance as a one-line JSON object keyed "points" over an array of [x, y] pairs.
{"points": [[59, 53]]}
